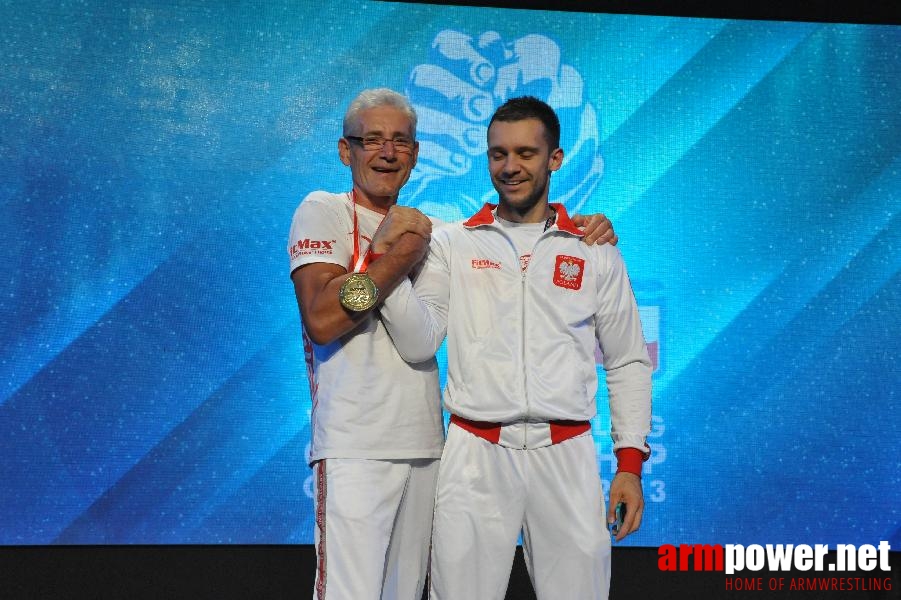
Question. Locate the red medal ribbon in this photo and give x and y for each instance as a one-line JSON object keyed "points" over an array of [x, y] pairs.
{"points": [[359, 263]]}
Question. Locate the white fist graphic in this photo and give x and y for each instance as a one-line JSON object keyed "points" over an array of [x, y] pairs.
{"points": [[455, 95]]}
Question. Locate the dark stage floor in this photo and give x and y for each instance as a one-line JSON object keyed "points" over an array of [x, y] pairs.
{"points": [[282, 572]]}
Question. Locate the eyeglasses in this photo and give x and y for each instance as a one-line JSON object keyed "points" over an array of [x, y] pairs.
{"points": [[377, 142]]}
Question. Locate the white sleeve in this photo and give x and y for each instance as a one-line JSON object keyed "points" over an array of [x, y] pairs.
{"points": [[415, 313], [626, 361], [319, 232]]}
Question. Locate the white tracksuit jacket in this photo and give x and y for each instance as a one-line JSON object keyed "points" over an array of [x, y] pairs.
{"points": [[521, 343]]}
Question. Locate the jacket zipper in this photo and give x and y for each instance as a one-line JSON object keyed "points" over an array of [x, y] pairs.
{"points": [[522, 346]]}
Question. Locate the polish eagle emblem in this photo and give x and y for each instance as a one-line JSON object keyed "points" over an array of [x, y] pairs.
{"points": [[569, 270]]}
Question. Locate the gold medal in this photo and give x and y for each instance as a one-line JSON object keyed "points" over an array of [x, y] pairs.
{"points": [[358, 292]]}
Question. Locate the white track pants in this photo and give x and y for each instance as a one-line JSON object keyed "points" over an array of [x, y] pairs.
{"points": [[487, 494], [373, 525]]}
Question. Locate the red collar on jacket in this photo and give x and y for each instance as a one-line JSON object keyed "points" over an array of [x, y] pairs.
{"points": [[485, 216]]}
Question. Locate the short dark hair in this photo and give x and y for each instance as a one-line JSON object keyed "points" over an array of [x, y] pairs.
{"points": [[530, 107]]}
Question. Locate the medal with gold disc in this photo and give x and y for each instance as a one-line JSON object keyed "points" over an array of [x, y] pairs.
{"points": [[358, 292]]}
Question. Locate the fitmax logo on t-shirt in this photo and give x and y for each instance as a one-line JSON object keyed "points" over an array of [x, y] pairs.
{"points": [[308, 246]]}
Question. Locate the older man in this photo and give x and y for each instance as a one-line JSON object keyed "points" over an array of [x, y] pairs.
{"points": [[376, 421]]}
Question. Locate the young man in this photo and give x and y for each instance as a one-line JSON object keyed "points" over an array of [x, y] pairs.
{"points": [[523, 302]]}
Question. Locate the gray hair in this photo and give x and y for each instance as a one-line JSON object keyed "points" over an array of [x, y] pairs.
{"points": [[374, 98]]}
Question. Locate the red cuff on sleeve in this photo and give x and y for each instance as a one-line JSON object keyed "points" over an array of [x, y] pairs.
{"points": [[629, 460]]}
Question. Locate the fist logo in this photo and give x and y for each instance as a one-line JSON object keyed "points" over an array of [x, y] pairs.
{"points": [[455, 95]]}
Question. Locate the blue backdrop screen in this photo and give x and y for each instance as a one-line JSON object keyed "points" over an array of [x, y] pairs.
{"points": [[152, 378]]}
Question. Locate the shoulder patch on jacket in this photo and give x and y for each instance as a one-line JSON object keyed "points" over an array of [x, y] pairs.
{"points": [[568, 272]]}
